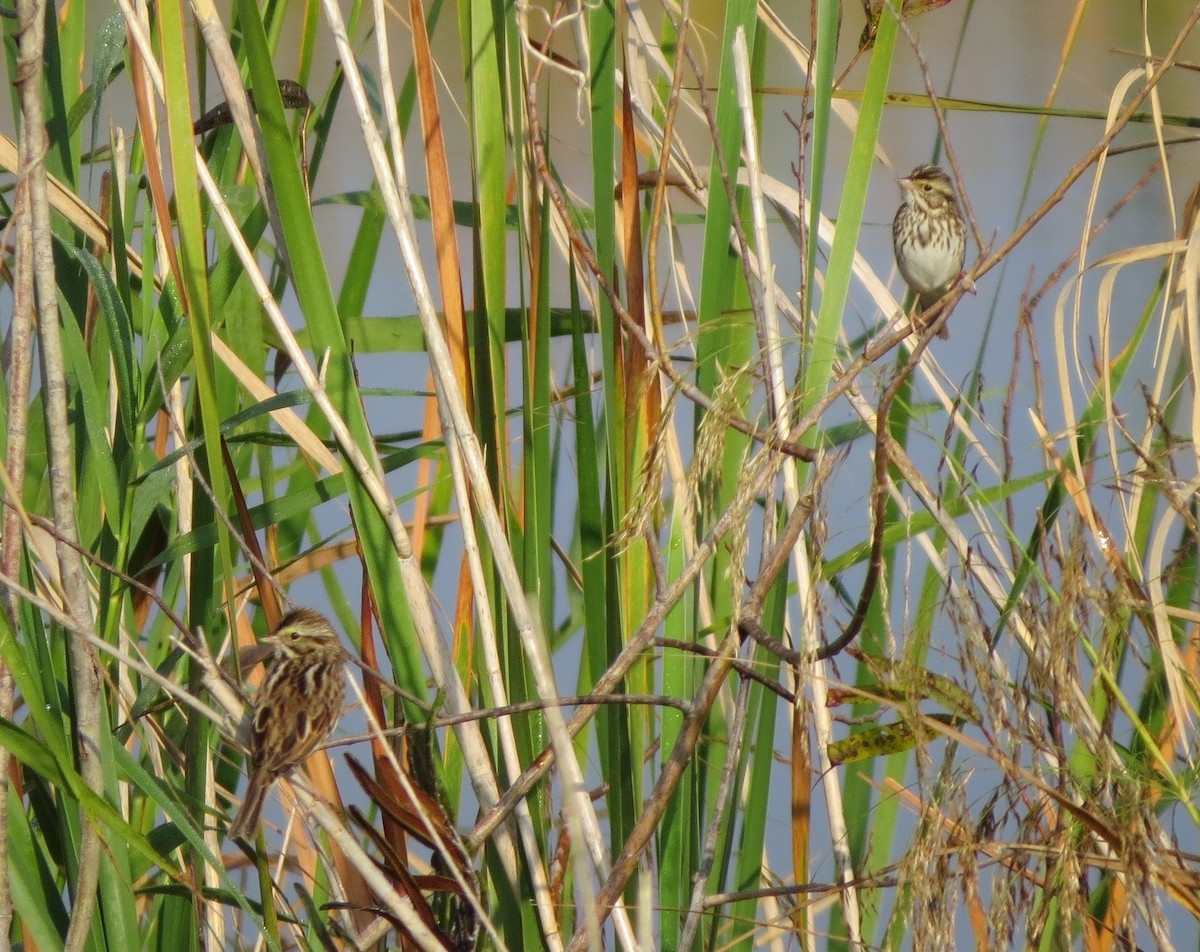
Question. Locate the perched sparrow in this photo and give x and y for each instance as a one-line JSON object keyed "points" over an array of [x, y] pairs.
{"points": [[929, 236], [295, 709]]}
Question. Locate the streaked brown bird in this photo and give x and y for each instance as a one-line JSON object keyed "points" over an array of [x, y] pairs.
{"points": [[929, 236], [296, 708]]}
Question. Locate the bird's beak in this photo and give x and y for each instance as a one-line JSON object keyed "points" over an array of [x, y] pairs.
{"points": [[255, 654]]}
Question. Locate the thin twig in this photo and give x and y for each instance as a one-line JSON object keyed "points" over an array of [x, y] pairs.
{"points": [[733, 755]]}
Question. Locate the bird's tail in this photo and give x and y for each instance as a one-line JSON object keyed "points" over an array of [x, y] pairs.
{"points": [[245, 825]]}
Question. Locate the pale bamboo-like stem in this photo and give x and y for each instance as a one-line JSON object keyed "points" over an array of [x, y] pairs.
{"points": [[493, 674], [805, 583], [85, 668], [19, 373], [487, 641], [577, 805]]}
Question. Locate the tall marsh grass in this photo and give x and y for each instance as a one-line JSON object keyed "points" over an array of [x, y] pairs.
{"points": [[696, 604]]}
